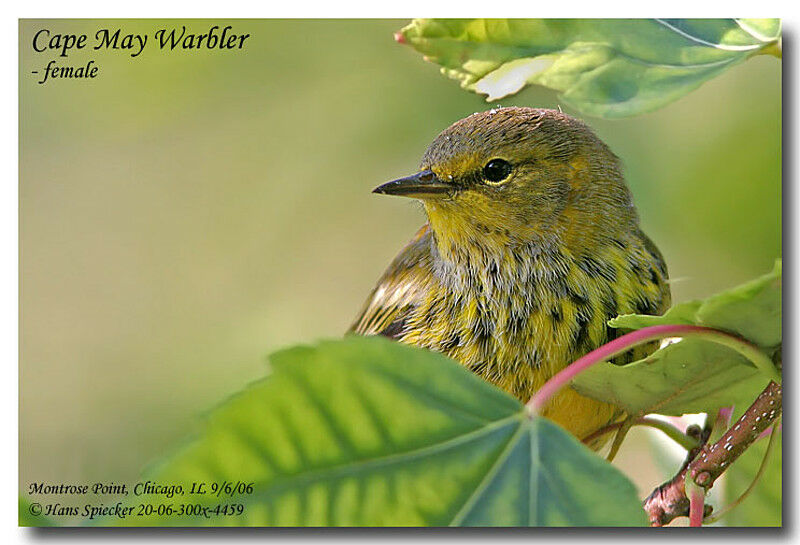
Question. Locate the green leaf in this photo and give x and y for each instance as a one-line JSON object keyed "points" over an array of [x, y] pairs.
{"points": [[680, 314], [368, 432], [752, 311], [763, 506], [690, 376], [695, 375], [602, 67]]}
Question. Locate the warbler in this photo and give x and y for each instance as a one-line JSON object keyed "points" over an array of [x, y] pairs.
{"points": [[532, 244]]}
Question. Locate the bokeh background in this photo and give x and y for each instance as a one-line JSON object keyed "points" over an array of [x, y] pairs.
{"points": [[185, 213]]}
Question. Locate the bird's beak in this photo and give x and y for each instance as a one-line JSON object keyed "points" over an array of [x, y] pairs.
{"points": [[422, 184]]}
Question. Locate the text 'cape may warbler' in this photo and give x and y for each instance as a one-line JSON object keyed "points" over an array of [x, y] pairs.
{"points": [[532, 244]]}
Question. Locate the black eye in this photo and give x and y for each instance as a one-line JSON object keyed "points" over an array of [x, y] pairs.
{"points": [[496, 170]]}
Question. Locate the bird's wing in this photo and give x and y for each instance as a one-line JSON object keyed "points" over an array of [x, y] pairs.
{"points": [[664, 298], [401, 288]]}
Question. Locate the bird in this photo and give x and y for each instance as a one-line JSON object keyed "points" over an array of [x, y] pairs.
{"points": [[532, 243]]}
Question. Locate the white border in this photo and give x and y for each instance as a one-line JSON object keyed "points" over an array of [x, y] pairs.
{"points": [[342, 9]]}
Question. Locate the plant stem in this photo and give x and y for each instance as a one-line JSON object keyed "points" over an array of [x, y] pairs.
{"points": [[646, 335], [670, 500], [696, 502], [618, 438], [670, 431], [724, 416], [600, 432], [776, 49], [766, 432], [761, 469]]}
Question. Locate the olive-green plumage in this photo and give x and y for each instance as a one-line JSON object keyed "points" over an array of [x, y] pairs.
{"points": [[532, 244]]}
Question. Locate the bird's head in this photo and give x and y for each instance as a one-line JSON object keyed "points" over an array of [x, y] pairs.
{"points": [[520, 175]]}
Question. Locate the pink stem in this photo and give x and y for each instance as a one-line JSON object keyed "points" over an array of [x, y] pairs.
{"points": [[768, 432], [620, 345], [696, 506], [725, 413]]}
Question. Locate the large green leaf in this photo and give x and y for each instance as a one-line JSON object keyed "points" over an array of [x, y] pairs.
{"points": [[690, 376], [602, 67], [368, 432], [753, 310], [695, 375]]}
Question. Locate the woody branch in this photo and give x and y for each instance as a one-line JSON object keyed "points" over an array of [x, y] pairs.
{"points": [[705, 465]]}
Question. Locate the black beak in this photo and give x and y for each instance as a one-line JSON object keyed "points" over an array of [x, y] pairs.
{"points": [[421, 184]]}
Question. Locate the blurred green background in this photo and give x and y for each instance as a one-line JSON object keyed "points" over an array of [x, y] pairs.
{"points": [[185, 213]]}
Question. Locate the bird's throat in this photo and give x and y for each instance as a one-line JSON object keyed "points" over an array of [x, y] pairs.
{"points": [[473, 254]]}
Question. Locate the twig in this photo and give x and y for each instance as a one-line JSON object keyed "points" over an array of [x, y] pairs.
{"points": [[776, 49], [669, 500], [666, 428], [619, 437], [600, 432], [670, 431]]}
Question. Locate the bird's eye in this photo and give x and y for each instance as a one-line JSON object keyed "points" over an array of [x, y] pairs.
{"points": [[496, 170]]}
